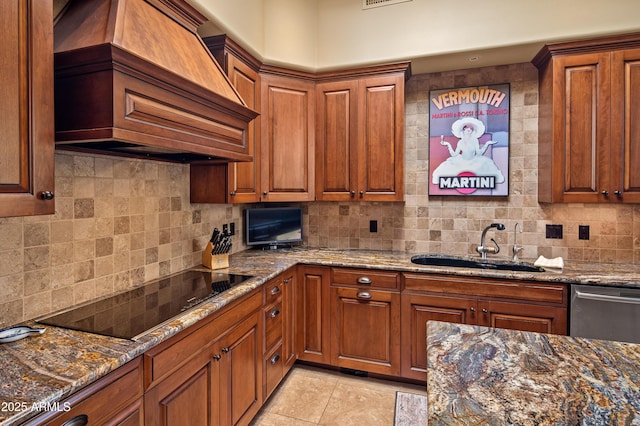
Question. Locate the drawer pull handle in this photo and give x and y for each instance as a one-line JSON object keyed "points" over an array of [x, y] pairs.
{"points": [[79, 420], [363, 295], [275, 313], [275, 359], [275, 291], [364, 280]]}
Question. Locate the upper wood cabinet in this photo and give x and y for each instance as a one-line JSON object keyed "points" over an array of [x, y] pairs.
{"points": [[589, 132], [287, 140], [332, 136], [233, 182], [360, 137], [26, 124]]}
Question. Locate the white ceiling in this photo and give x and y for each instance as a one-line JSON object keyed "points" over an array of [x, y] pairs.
{"points": [[436, 36]]}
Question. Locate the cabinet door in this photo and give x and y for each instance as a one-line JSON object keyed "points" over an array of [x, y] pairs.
{"points": [[239, 355], [336, 140], [523, 316], [233, 182], [381, 138], [578, 158], [185, 396], [26, 83], [287, 139], [289, 307], [625, 130], [312, 314], [417, 309], [365, 331]]}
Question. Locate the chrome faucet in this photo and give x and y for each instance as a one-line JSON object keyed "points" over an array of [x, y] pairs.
{"points": [[516, 248], [482, 249]]}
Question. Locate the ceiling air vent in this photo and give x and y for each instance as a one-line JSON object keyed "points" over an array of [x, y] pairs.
{"points": [[368, 4]]}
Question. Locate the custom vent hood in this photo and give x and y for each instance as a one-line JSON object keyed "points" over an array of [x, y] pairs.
{"points": [[133, 78]]}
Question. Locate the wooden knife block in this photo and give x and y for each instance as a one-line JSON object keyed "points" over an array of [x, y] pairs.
{"points": [[217, 261]]}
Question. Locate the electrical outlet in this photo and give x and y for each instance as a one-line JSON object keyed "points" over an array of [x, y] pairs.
{"points": [[232, 228], [554, 231], [583, 232], [373, 226]]}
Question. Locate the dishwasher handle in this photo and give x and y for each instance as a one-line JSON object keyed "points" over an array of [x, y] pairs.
{"points": [[607, 298]]}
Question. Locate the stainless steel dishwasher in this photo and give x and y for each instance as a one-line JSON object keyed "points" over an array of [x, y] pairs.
{"points": [[609, 313]]}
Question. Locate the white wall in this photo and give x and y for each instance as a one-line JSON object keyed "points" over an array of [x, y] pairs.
{"points": [[325, 34]]}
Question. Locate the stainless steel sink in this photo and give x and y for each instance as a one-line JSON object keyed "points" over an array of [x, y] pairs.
{"points": [[467, 262]]}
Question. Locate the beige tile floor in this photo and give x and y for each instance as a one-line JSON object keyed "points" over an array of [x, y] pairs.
{"points": [[314, 396]]}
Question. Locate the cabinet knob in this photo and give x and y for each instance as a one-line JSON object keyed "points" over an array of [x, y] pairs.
{"points": [[217, 357], [286, 281], [605, 193], [364, 280], [484, 311], [46, 195], [361, 194], [473, 310], [363, 295], [232, 193], [618, 193], [225, 350], [352, 193], [275, 313], [264, 192], [274, 359]]}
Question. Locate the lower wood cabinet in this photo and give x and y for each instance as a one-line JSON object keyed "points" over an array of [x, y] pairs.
{"points": [[238, 359], [312, 315], [526, 306], [115, 399], [365, 320], [211, 375], [221, 370]]}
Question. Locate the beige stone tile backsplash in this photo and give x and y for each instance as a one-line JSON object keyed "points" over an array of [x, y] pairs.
{"points": [[120, 222]]}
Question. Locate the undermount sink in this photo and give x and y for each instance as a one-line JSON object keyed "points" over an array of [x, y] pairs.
{"points": [[466, 262]]}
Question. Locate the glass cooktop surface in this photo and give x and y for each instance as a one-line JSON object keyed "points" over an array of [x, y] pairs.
{"points": [[135, 312]]}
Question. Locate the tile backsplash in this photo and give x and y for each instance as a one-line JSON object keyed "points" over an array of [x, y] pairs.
{"points": [[120, 222]]}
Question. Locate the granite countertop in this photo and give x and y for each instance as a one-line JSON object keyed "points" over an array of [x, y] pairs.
{"points": [[50, 367], [479, 375]]}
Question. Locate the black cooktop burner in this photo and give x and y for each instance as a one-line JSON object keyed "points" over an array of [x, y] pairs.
{"points": [[127, 315]]}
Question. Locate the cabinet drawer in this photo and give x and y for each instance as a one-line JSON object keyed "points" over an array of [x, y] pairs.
{"points": [[530, 291], [117, 392], [272, 291], [168, 356], [365, 278], [274, 370], [273, 324]]}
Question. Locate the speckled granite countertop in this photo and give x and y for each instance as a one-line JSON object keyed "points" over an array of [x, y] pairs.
{"points": [[478, 375], [51, 366]]}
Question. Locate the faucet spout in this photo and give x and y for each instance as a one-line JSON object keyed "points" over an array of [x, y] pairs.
{"points": [[482, 248], [516, 248]]}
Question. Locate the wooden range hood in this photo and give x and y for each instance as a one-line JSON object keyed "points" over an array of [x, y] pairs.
{"points": [[133, 78]]}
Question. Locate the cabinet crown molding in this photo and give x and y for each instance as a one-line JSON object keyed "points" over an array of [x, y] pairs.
{"points": [[587, 45]]}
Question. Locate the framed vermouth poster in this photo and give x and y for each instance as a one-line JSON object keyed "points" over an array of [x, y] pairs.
{"points": [[469, 141]]}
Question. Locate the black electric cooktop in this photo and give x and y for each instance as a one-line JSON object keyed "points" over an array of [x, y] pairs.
{"points": [[130, 314]]}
